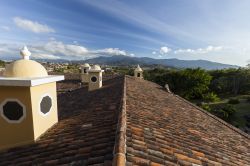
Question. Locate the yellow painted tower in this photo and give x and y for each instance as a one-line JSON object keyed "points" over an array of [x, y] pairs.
{"points": [[28, 102], [95, 77], [138, 72]]}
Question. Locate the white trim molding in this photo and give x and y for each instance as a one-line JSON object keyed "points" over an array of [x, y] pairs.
{"points": [[29, 82], [95, 71]]}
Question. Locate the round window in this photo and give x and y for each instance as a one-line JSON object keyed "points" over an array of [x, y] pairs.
{"points": [[13, 111], [93, 79], [45, 105]]}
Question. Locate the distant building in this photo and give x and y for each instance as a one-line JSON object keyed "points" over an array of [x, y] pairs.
{"points": [[95, 77], [85, 72], [108, 69], [138, 72]]}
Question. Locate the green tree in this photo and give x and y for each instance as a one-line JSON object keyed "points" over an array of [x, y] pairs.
{"points": [[223, 111], [2, 63], [210, 97], [189, 83], [230, 81], [194, 83]]}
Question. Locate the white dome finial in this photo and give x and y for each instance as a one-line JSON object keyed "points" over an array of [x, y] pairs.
{"points": [[25, 53]]}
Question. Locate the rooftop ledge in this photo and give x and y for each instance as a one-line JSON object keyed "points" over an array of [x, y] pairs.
{"points": [[28, 82], [93, 70]]}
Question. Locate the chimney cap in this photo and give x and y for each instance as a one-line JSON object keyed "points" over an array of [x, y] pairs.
{"points": [[95, 68], [138, 68], [25, 68], [85, 65]]}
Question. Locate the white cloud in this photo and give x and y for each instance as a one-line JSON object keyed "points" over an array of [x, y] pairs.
{"points": [[109, 51], [164, 50], [45, 56], [141, 18], [6, 49], [54, 49], [199, 50], [76, 51], [132, 54], [6, 28], [52, 39], [32, 26], [57, 47]]}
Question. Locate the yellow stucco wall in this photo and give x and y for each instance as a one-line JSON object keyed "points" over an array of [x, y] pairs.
{"points": [[85, 77], [98, 83], [43, 123], [35, 123], [136, 72], [13, 134]]}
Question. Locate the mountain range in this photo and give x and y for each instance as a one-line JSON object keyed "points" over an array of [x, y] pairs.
{"points": [[176, 63], [119, 60]]}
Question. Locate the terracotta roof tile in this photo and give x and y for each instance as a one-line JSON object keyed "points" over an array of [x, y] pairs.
{"points": [[165, 129], [130, 123], [85, 133]]}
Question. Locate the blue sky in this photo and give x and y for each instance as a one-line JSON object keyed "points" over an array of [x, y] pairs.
{"points": [[80, 29]]}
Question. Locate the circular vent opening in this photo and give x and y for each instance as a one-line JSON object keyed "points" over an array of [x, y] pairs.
{"points": [[45, 105], [93, 79]]}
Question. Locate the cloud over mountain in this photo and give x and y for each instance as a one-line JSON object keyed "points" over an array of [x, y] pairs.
{"points": [[164, 50], [54, 49], [109, 51], [199, 50]]}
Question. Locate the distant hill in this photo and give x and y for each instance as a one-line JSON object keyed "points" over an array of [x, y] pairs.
{"points": [[126, 60]]}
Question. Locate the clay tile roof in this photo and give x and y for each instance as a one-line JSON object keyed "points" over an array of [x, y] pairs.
{"points": [[130, 121], [85, 133], [164, 129]]}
